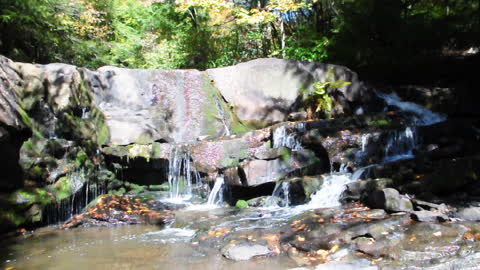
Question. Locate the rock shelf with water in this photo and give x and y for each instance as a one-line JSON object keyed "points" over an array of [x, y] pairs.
{"points": [[209, 172]]}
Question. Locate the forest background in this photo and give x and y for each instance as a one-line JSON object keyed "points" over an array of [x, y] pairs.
{"points": [[396, 35]]}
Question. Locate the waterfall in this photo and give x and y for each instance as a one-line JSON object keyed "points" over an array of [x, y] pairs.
{"points": [[216, 195], [283, 138], [333, 186], [280, 195], [401, 144], [424, 117], [82, 192], [364, 142], [181, 174]]}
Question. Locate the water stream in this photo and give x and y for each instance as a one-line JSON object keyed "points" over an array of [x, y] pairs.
{"points": [[176, 246]]}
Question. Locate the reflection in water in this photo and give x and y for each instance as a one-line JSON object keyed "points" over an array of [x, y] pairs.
{"points": [[119, 248]]}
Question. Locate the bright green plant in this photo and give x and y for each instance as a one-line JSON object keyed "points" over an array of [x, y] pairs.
{"points": [[320, 96], [241, 204]]}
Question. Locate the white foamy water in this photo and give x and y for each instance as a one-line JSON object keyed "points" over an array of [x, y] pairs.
{"points": [[329, 194], [332, 188]]}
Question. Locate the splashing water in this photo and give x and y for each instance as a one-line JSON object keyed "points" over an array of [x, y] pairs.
{"points": [[333, 186], [424, 117]]}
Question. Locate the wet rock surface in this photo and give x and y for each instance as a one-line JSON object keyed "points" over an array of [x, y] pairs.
{"points": [[111, 210]]}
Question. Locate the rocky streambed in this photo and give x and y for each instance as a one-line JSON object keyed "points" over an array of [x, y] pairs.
{"points": [[352, 237], [154, 169]]}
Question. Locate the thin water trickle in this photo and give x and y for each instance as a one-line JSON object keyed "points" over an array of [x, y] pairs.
{"points": [[364, 142], [84, 113], [216, 195], [221, 113], [280, 195]]}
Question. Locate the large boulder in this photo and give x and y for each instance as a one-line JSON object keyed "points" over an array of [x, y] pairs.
{"points": [[268, 90], [143, 106], [13, 130]]}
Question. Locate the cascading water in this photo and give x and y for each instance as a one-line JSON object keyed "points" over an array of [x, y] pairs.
{"points": [[401, 145], [216, 195], [423, 116], [181, 174], [280, 195], [364, 142], [282, 137], [82, 192], [333, 186]]}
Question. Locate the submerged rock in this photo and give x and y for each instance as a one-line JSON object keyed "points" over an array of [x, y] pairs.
{"points": [[470, 214], [429, 216], [244, 252]]}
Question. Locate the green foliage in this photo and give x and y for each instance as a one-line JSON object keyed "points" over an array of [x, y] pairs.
{"points": [[213, 33], [322, 90], [81, 158], [379, 122]]}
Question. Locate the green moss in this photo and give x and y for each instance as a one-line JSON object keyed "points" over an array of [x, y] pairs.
{"points": [[229, 162], [135, 189], [103, 134], [211, 113], [138, 150], [285, 154], [62, 189], [241, 204], [12, 217], [37, 172], [25, 118], [162, 187], [243, 153], [119, 192], [156, 150], [80, 158], [379, 122], [28, 197]]}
